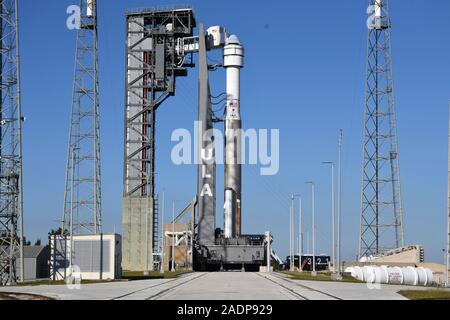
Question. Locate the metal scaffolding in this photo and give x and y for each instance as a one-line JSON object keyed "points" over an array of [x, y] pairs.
{"points": [[381, 202], [11, 204], [152, 66], [82, 196]]}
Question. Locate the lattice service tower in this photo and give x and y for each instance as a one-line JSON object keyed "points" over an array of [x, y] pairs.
{"points": [[11, 208], [153, 64], [381, 203], [82, 196]]}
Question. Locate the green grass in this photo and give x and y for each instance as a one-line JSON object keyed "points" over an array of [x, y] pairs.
{"points": [[139, 275], [319, 277], [426, 294]]}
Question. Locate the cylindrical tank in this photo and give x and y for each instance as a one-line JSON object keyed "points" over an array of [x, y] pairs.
{"points": [[422, 277], [410, 276], [369, 274], [395, 275], [392, 275], [381, 274], [429, 276], [356, 272]]}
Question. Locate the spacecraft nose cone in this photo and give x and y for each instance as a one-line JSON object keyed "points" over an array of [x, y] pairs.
{"points": [[233, 39]]}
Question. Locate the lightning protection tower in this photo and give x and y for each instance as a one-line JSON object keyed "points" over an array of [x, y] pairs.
{"points": [[11, 208], [381, 203], [82, 195]]}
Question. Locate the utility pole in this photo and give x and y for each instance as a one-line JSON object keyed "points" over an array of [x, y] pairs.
{"points": [[333, 219], [162, 232], [291, 236], [300, 244], [448, 213], [11, 187], [313, 227], [173, 237], [292, 233], [339, 205]]}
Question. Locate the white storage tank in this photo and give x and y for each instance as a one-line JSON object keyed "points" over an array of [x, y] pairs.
{"points": [[410, 276], [356, 273], [392, 275], [395, 275], [369, 274], [381, 274], [422, 277]]}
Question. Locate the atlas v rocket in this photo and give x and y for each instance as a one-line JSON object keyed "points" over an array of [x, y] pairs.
{"points": [[233, 61]]}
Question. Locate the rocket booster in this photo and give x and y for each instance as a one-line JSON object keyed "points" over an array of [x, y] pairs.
{"points": [[233, 62]]}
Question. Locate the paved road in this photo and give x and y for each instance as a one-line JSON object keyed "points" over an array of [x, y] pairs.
{"points": [[217, 286]]}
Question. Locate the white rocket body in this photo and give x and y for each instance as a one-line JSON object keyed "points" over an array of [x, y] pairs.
{"points": [[233, 62]]}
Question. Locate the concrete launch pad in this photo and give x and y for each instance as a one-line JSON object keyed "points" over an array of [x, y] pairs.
{"points": [[219, 286]]}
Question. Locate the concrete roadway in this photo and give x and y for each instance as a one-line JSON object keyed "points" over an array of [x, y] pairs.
{"points": [[218, 286]]}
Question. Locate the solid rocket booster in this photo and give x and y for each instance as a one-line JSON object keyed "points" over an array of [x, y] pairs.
{"points": [[233, 62]]}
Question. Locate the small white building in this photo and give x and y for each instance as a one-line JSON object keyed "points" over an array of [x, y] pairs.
{"points": [[94, 257]]}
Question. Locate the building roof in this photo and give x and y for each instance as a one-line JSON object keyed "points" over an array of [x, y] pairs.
{"points": [[30, 251]]}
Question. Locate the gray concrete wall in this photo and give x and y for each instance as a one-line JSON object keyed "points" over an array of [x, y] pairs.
{"points": [[136, 213]]}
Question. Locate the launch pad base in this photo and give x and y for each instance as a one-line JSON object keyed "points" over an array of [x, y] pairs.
{"points": [[246, 253]]}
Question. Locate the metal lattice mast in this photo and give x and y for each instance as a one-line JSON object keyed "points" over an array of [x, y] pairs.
{"points": [[11, 204], [381, 203], [82, 194]]}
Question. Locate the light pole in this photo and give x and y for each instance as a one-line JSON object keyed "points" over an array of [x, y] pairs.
{"points": [[300, 244], [291, 236], [161, 267], [173, 237], [313, 228], [447, 253], [339, 206], [292, 233], [333, 223]]}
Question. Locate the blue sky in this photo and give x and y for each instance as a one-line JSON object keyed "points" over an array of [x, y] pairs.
{"points": [[304, 74]]}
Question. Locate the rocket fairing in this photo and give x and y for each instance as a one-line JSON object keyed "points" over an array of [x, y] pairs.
{"points": [[233, 62]]}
